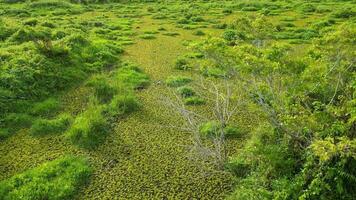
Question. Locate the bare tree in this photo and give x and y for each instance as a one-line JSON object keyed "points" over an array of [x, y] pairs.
{"points": [[223, 109]]}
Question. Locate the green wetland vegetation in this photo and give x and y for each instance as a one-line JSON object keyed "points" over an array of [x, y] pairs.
{"points": [[206, 99]]}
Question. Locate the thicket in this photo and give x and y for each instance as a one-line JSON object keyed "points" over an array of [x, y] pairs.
{"points": [[304, 146]]}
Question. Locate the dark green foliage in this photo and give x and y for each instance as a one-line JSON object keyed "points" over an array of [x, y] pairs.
{"points": [[58, 179], [89, 128], [17, 120], [51, 126], [177, 81]]}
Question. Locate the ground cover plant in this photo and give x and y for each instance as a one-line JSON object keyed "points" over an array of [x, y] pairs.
{"points": [[177, 99]]}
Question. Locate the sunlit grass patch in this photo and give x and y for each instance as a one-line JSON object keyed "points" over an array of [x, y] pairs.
{"points": [[58, 179], [89, 128]]}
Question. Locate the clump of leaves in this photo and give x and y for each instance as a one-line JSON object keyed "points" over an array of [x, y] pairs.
{"points": [[51, 126], [58, 179]]}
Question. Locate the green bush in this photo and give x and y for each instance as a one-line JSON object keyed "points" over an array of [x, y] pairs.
{"points": [[194, 100], [46, 108], [55, 180], [177, 81], [186, 91], [51, 126], [89, 129]]}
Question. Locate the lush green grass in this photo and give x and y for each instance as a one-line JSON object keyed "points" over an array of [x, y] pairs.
{"points": [[58, 179], [90, 128], [51, 126]]}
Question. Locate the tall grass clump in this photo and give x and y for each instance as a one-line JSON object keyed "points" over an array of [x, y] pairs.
{"points": [[132, 77], [89, 128], [55, 180], [46, 108], [177, 81], [123, 104], [103, 90], [51, 126]]}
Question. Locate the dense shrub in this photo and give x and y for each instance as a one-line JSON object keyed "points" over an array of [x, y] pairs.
{"points": [[89, 128], [58, 179], [51, 126]]}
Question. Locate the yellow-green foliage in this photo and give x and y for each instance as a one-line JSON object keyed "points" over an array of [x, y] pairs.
{"points": [[58, 179]]}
